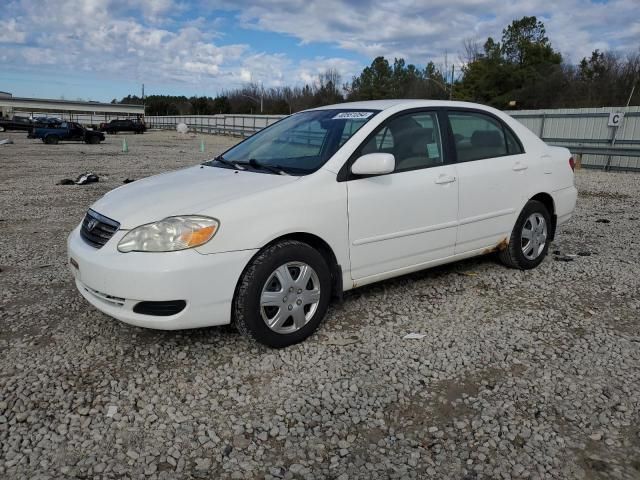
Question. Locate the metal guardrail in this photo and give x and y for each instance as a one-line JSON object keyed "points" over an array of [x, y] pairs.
{"points": [[586, 132], [236, 125]]}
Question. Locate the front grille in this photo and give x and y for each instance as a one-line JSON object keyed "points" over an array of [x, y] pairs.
{"points": [[97, 229]]}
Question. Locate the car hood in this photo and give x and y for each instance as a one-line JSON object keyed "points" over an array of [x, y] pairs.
{"points": [[183, 192]]}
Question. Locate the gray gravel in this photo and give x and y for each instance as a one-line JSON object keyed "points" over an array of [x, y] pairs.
{"points": [[520, 375]]}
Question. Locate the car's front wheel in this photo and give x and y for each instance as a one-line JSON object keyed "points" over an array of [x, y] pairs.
{"points": [[283, 294], [529, 240]]}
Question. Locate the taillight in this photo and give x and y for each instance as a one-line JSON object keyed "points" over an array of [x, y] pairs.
{"points": [[572, 164]]}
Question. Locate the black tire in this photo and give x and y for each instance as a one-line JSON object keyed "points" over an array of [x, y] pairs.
{"points": [[51, 140], [93, 140], [246, 302], [513, 256]]}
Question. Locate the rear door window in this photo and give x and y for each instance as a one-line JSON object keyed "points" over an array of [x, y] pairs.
{"points": [[478, 136]]}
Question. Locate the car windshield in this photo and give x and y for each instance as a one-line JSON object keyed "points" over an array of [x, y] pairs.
{"points": [[298, 145]]}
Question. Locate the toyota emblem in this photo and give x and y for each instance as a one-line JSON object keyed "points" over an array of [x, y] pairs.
{"points": [[91, 224]]}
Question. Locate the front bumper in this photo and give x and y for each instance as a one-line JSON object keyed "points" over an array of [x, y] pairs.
{"points": [[115, 282]]}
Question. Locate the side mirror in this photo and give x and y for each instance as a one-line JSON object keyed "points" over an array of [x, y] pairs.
{"points": [[374, 164]]}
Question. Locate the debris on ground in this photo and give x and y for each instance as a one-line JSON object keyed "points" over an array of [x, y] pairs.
{"points": [[83, 179], [468, 274], [564, 258], [86, 178], [342, 341], [128, 180], [584, 254], [603, 220], [6, 141], [414, 336], [182, 128]]}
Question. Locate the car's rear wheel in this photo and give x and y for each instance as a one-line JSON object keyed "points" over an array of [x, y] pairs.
{"points": [[529, 242], [283, 294], [51, 140], [93, 140]]}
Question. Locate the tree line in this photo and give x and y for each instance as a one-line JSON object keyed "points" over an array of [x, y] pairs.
{"points": [[520, 71]]}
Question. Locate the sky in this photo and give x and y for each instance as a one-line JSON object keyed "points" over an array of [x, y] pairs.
{"points": [[105, 49]]}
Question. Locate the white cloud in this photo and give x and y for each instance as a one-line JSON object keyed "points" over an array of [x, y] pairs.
{"points": [[108, 38], [11, 33], [85, 35], [420, 31]]}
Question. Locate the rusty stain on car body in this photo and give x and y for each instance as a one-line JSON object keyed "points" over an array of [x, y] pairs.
{"points": [[504, 243]]}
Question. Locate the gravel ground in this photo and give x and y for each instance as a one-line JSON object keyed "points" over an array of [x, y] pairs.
{"points": [[520, 375]]}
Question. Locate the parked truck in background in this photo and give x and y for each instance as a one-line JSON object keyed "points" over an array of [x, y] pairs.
{"points": [[67, 131], [115, 126], [16, 124]]}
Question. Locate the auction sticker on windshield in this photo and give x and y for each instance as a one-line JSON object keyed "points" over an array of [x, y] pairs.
{"points": [[352, 115]]}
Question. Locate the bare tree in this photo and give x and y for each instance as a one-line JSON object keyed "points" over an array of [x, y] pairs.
{"points": [[472, 51]]}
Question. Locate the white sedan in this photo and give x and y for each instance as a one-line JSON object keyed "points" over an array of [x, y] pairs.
{"points": [[323, 201]]}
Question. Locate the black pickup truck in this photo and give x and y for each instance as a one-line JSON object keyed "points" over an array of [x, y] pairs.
{"points": [[67, 131], [115, 126], [16, 123]]}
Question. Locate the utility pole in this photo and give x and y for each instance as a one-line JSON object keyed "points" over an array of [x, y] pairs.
{"points": [[633, 88], [259, 101], [453, 69], [261, 96]]}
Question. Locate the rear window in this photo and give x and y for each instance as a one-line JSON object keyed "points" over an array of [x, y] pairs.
{"points": [[478, 136]]}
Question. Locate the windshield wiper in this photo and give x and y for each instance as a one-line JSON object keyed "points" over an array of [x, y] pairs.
{"points": [[272, 168], [228, 163]]}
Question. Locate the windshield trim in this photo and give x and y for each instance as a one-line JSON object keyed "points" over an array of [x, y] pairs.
{"points": [[292, 170]]}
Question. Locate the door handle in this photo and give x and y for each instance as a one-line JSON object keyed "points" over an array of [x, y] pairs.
{"points": [[517, 167], [443, 179]]}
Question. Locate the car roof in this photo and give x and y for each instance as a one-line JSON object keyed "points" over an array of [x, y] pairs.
{"points": [[403, 102]]}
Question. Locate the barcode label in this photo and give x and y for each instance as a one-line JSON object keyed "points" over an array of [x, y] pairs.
{"points": [[352, 115]]}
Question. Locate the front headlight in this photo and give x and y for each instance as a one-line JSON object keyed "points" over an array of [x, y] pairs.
{"points": [[170, 234]]}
